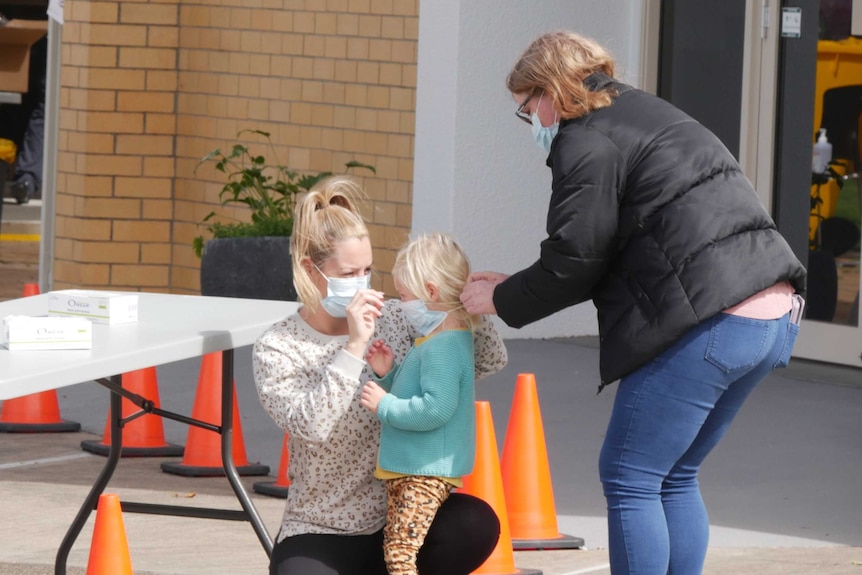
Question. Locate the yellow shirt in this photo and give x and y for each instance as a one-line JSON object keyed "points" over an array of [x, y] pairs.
{"points": [[383, 474]]}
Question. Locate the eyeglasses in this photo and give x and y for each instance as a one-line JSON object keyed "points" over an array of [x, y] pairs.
{"points": [[521, 114]]}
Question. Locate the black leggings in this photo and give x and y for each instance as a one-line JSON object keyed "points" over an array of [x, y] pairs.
{"points": [[463, 534]]}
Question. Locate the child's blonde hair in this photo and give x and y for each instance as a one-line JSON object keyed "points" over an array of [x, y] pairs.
{"points": [[556, 64], [438, 259], [324, 216]]}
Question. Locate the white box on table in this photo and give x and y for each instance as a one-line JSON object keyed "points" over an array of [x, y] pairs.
{"points": [[22, 332], [98, 307]]}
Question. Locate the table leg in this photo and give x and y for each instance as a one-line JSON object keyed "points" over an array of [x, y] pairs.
{"points": [[100, 484], [227, 453]]}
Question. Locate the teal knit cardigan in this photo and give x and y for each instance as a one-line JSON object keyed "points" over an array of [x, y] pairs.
{"points": [[429, 414]]}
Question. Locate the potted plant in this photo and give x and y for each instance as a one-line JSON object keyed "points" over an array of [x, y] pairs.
{"points": [[252, 258]]}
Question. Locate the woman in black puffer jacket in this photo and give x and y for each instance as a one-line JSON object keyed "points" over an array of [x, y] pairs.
{"points": [[652, 219]]}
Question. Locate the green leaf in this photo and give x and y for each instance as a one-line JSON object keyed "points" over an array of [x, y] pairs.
{"points": [[198, 245], [356, 164]]}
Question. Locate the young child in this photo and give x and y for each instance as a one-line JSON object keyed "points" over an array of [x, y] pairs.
{"points": [[428, 436]]}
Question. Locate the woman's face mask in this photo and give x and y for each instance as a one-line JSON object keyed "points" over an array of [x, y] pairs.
{"points": [[543, 135], [423, 320], [339, 292]]}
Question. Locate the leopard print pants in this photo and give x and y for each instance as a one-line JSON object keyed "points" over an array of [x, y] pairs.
{"points": [[412, 502]]}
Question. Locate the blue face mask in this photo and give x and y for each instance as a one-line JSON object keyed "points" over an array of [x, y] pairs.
{"points": [[423, 320], [543, 135], [339, 292]]}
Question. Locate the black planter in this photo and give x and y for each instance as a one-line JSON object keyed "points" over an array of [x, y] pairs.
{"points": [[255, 268]]}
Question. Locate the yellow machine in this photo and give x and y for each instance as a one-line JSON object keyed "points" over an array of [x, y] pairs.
{"points": [[839, 64], [7, 151]]}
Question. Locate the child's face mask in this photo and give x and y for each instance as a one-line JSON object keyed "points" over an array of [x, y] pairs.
{"points": [[423, 320]]}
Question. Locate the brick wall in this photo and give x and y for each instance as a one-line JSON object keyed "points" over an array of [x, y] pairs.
{"points": [[148, 88], [116, 145]]}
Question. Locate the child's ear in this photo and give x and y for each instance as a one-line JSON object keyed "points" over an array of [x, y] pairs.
{"points": [[433, 292]]}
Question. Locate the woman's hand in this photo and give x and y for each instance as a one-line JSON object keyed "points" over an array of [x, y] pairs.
{"points": [[380, 357], [362, 312], [371, 396], [478, 294]]}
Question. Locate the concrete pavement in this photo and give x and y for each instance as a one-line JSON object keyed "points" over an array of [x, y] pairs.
{"points": [[783, 488]]}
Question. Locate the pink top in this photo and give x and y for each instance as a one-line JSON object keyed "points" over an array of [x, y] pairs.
{"points": [[771, 303]]}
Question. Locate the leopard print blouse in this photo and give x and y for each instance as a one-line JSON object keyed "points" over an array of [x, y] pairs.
{"points": [[311, 387]]}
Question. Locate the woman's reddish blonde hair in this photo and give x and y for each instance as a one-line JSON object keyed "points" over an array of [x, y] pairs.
{"points": [[556, 64]]}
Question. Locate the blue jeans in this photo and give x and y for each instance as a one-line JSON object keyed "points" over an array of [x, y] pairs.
{"points": [[667, 417]]}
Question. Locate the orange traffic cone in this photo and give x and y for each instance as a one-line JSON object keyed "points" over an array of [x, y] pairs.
{"points": [[109, 550], [203, 447], [35, 413], [486, 483], [143, 436], [527, 475], [279, 487]]}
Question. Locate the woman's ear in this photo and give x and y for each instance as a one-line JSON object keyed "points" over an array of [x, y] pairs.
{"points": [[307, 265]]}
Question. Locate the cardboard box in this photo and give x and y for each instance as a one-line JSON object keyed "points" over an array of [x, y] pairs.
{"points": [[16, 37], [21, 333], [101, 307]]}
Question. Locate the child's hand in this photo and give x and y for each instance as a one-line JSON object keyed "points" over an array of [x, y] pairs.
{"points": [[380, 357], [371, 396]]}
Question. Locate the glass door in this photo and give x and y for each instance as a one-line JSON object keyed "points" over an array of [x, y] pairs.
{"points": [[833, 74]]}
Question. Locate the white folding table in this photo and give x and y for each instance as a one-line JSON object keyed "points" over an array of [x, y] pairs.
{"points": [[169, 328]]}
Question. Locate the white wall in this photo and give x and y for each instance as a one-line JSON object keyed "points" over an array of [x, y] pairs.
{"points": [[477, 172]]}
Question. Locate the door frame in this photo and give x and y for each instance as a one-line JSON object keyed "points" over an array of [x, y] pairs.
{"points": [[50, 153]]}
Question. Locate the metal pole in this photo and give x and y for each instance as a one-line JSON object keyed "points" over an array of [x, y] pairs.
{"points": [[49, 163]]}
